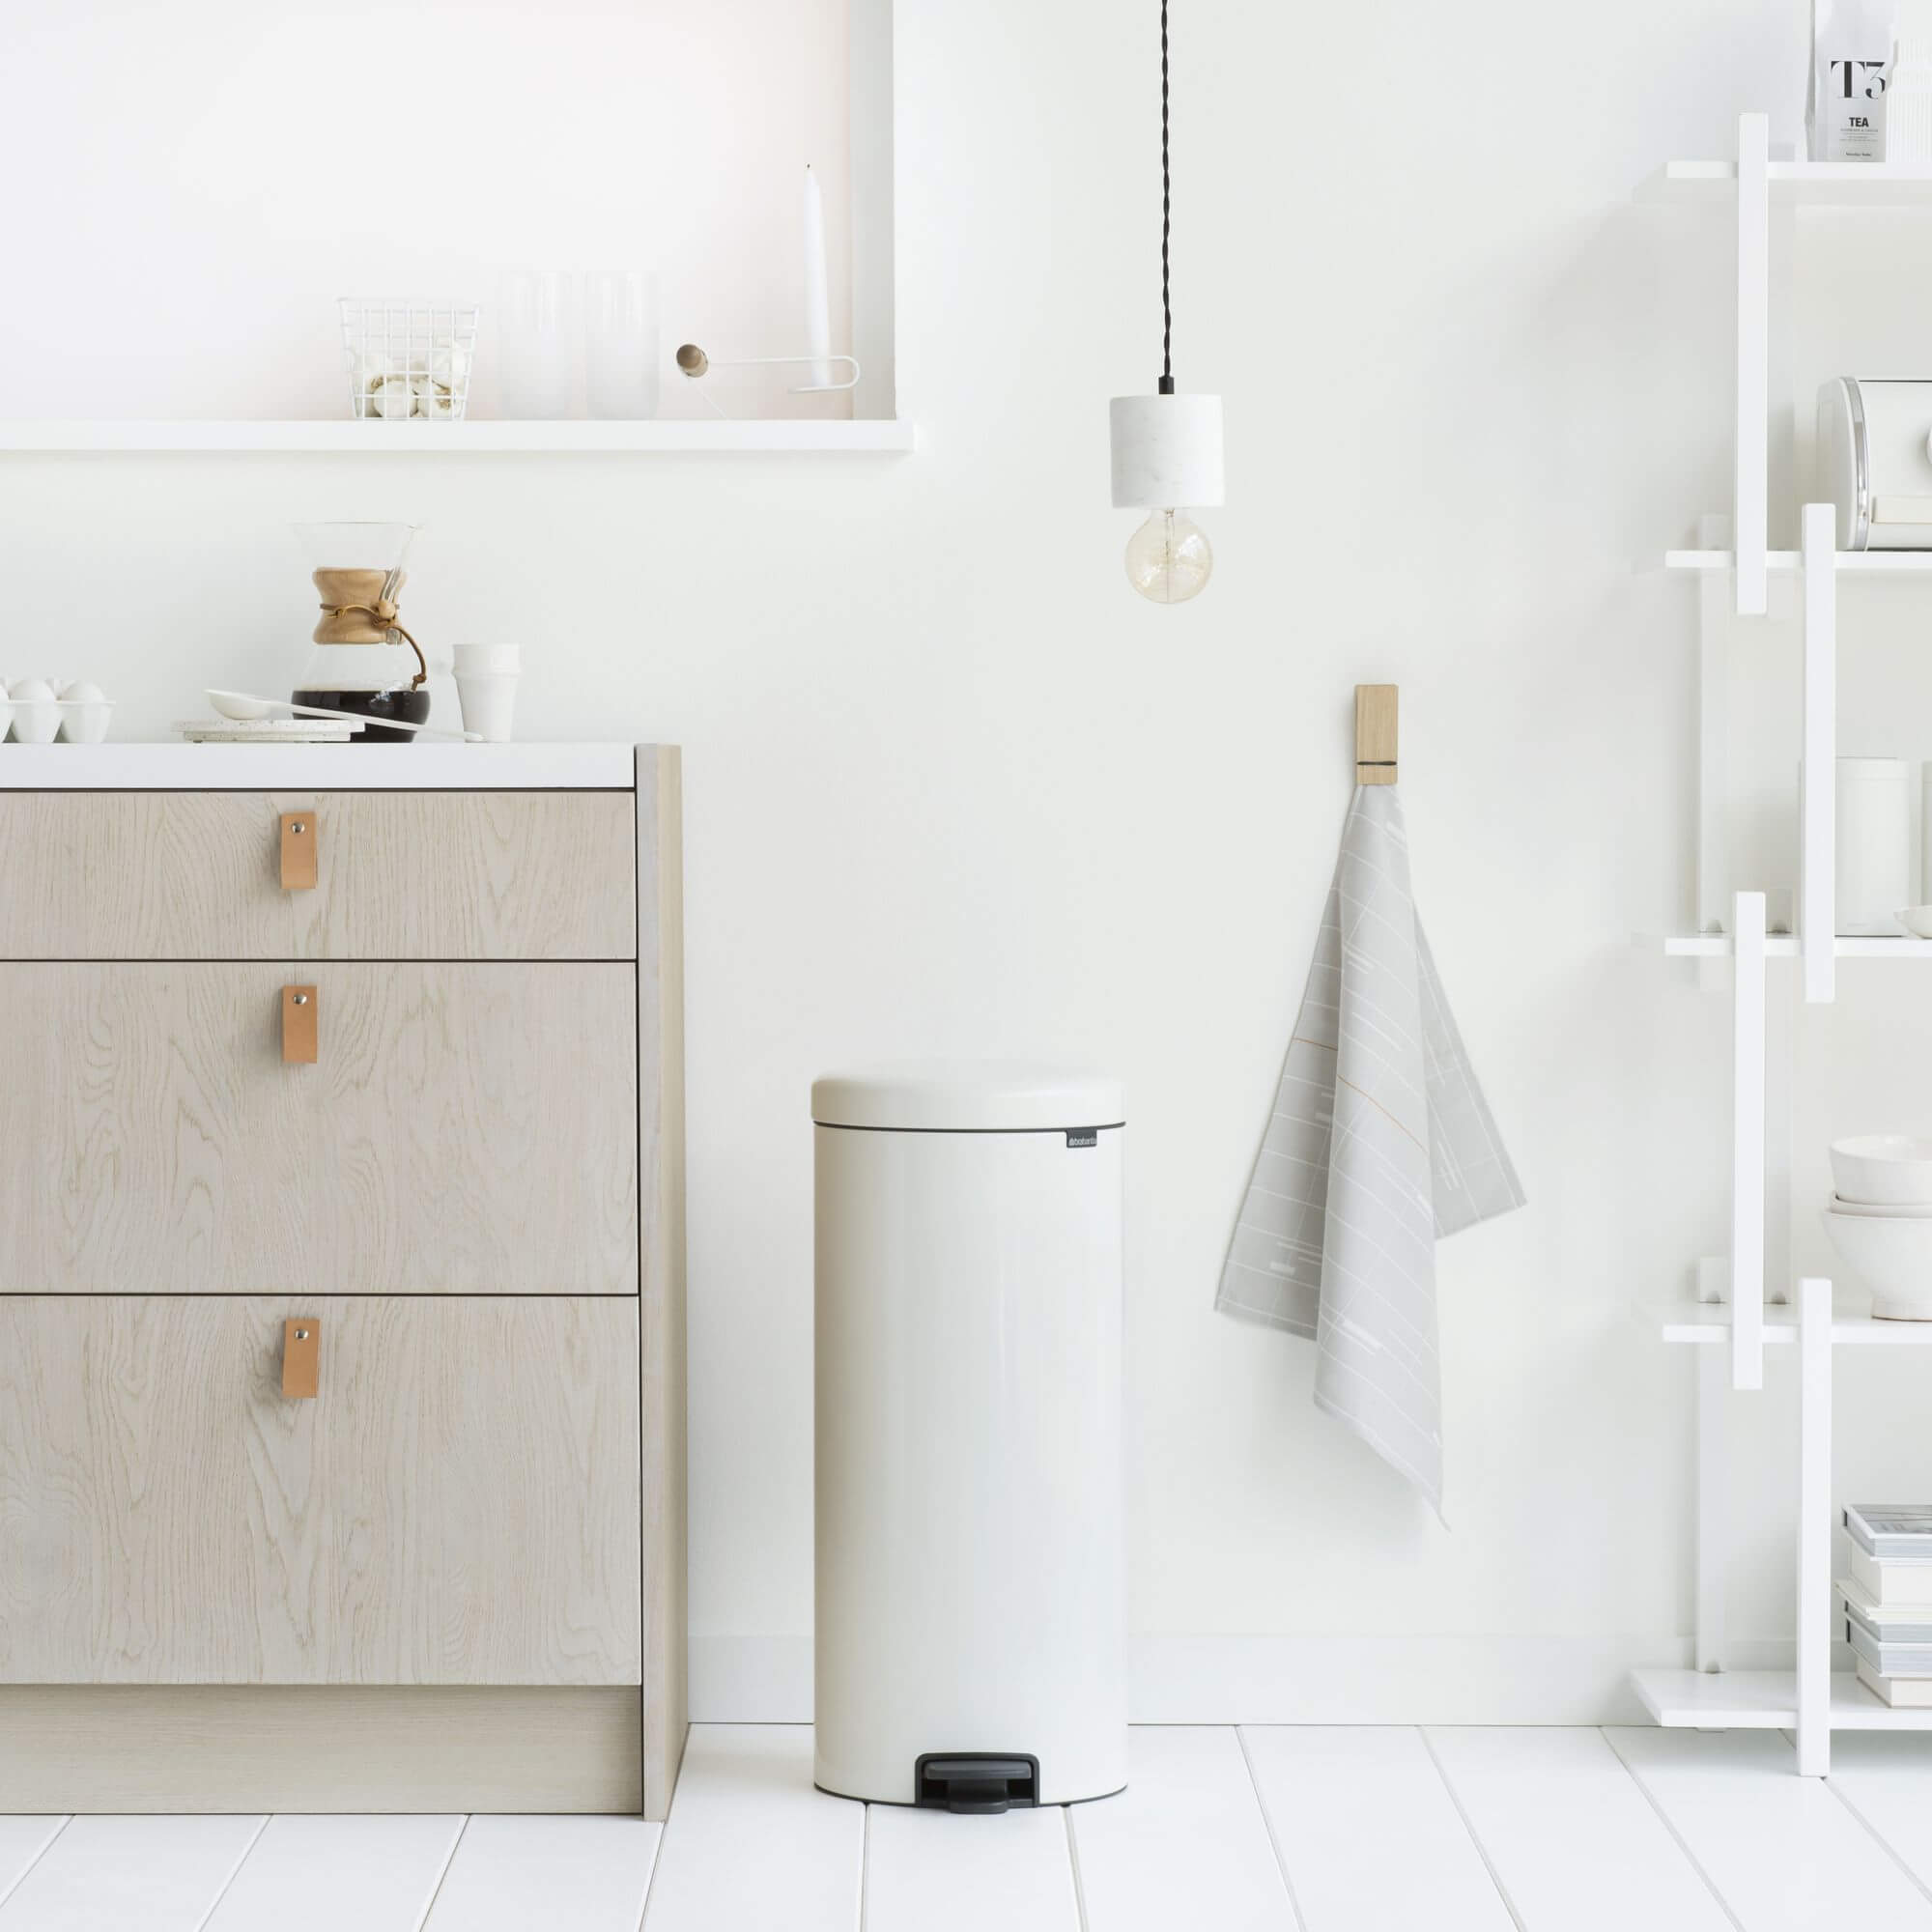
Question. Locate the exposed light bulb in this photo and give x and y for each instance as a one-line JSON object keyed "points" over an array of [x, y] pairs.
{"points": [[1169, 558]]}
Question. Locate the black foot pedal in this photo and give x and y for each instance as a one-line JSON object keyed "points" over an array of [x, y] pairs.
{"points": [[975, 1782]]}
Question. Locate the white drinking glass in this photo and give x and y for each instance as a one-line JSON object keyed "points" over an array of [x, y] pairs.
{"points": [[536, 344], [621, 344]]}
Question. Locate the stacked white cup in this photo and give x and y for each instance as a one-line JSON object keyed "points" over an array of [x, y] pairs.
{"points": [[486, 682]]}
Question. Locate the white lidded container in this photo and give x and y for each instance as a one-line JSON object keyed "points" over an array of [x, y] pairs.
{"points": [[1874, 453], [1873, 846], [971, 1552]]}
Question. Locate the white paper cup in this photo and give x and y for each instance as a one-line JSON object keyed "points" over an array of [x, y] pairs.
{"points": [[488, 698]]}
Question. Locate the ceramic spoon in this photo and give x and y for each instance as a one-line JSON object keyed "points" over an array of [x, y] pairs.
{"points": [[242, 708]]}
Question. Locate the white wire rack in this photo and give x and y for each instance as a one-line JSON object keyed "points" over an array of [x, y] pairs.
{"points": [[408, 360]]}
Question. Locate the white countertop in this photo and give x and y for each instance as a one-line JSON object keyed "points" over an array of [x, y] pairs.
{"points": [[423, 767]]}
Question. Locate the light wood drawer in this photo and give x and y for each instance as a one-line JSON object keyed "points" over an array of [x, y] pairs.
{"points": [[464, 1130], [457, 1504], [399, 875]]}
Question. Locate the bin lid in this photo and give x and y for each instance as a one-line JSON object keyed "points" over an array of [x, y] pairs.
{"points": [[967, 1096]]}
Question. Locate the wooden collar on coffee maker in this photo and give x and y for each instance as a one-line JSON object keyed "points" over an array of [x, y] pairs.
{"points": [[384, 612]]}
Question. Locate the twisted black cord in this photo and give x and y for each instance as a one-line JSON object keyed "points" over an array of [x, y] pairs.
{"points": [[1166, 305]]}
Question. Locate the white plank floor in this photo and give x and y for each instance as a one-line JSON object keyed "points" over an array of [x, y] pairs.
{"points": [[1280, 1829]]}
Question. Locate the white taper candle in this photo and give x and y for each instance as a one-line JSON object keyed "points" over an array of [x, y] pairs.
{"points": [[817, 284]]}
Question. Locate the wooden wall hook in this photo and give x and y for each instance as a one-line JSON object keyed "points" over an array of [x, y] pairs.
{"points": [[1375, 734]]}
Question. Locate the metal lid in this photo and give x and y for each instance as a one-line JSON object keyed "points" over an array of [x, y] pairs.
{"points": [[967, 1096]]}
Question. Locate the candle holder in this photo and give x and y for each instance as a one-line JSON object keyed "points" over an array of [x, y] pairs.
{"points": [[695, 365]]}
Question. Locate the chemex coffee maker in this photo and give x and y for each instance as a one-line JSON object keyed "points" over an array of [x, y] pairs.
{"points": [[363, 660]]}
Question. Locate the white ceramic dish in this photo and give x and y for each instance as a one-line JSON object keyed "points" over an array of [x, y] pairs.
{"points": [[1916, 921], [1883, 1170], [1892, 1256], [1872, 1210]]}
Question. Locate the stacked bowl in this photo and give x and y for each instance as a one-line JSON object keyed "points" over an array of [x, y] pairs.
{"points": [[1880, 1220]]}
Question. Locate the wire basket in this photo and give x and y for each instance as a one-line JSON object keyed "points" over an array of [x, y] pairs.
{"points": [[407, 361]]}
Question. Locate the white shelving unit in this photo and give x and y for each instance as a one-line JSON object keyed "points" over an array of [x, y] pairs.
{"points": [[1732, 567], [347, 437]]}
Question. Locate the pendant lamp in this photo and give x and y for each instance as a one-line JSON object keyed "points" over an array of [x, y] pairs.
{"points": [[1167, 447]]}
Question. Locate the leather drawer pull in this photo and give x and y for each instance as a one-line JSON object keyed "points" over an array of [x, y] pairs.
{"points": [[298, 851], [299, 1025], [301, 1356]]}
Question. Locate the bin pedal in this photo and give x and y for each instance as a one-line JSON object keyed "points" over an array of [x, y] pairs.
{"points": [[975, 1782]]}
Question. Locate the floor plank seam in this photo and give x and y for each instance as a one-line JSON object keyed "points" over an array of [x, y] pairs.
{"points": [[1877, 1837], [227, 1885], [1267, 1825], [1073, 1860], [52, 1839], [436, 1890], [1677, 1838], [1475, 1836], [865, 1866]]}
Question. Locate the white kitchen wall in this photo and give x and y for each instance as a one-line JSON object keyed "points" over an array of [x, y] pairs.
{"points": [[952, 787]]}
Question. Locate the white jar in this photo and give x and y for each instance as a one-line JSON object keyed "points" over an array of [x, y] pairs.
{"points": [[1874, 846]]}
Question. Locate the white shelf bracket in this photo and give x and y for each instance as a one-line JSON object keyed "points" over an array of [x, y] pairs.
{"points": [[1747, 1067], [1818, 784], [1750, 475], [1814, 1528]]}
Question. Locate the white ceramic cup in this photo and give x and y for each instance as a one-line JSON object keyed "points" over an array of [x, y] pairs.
{"points": [[468, 659], [489, 696]]}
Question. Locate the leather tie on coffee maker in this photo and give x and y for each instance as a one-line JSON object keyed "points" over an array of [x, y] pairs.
{"points": [[384, 612]]}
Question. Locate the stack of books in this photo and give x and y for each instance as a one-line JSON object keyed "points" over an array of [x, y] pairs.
{"points": [[1888, 1600]]}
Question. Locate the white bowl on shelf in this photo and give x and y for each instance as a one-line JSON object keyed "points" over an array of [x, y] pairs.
{"points": [[1883, 1170], [1916, 921], [1892, 1256], [1878, 1210]]}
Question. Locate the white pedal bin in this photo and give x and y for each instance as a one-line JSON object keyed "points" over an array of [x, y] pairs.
{"points": [[971, 1550]]}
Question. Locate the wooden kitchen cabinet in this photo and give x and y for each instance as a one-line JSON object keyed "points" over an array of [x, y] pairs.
{"points": [[373, 1054]]}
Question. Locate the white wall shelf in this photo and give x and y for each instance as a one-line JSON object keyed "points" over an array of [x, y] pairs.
{"points": [[1762, 1701], [1789, 562], [1705, 1322], [1785, 945], [1837, 184], [463, 439]]}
